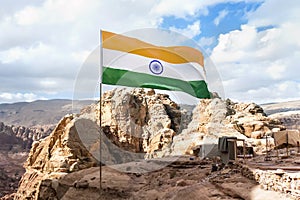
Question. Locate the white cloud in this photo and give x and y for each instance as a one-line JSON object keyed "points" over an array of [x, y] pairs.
{"points": [[50, 39], [261, 65], [11, 55], [28, 16], [189, 8], [52, 12], [222, 14], [48, 83], [276, 70], [44, 43], [39, 60], [284, 91], [275, 12], [206, 41], [189, 31], [6, 97]]}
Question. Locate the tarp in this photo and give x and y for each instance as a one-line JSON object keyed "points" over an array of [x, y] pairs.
{"points": [[209, 147], [223, 143], [287, 137], [227, 148]]}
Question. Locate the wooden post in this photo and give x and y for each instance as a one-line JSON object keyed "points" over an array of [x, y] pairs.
{"points": [[287, 144], [235, 150], [244, 150], [267, 146]]}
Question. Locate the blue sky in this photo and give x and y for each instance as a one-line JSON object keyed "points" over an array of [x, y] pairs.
{"points": [[253, 44], [218, 19]]}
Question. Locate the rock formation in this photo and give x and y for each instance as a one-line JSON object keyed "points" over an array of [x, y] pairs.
{"points": [[213, 118], [60, 153], [8, 139], [20, 138], [136, 124], [141, 121], [251, 120], [13, 153]]}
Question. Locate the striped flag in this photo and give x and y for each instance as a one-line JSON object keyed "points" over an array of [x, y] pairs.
{"points": [[131, 62]]}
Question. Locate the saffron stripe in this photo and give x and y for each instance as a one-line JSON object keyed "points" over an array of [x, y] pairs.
{"points": [[172, 54]]}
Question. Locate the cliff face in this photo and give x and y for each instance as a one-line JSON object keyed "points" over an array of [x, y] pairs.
{"points": [[60, 153], [15, 143], [141, 121], [9, 140], [214, 118], [136, 124], [20, 138]]}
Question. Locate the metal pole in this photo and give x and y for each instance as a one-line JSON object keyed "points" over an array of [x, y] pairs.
{"points": [[100, 107]]}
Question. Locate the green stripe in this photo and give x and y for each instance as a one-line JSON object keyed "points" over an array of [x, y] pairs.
{"points": [[113, 76]]}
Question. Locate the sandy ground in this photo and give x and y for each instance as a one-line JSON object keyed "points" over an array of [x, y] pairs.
{"points": [[183, 179]]}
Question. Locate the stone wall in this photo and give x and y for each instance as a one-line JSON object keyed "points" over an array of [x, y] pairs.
{"points": [[279, 180]]}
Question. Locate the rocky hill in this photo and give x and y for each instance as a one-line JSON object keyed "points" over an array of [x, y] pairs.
{"points": [[15, 143], [136, 124], [280, 107], [20, 125]]}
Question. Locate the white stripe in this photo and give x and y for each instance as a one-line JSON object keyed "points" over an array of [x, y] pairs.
{"points": [[123, 60]]}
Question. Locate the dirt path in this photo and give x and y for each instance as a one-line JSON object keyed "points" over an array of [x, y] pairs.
{"points": [[183, 180]]}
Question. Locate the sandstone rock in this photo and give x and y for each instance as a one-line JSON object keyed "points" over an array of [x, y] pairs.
{"points": [[181, 183], [23, 137], [135, 124], [159, 141], [55, 156], [9, 141], [251, 118], [214, 118], [257, 134], [81, 184], [141, 117]]}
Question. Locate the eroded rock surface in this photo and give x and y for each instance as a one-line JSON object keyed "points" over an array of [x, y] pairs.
{"points": [[136, 124], [214, 118]]}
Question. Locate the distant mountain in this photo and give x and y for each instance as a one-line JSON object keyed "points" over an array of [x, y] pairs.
{"points": [[40, 112], [272, 108], [287, 112]]}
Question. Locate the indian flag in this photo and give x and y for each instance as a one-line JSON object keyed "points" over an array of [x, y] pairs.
{"points": [[131, 62]]}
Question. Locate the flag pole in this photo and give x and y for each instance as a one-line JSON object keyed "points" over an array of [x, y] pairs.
{"points": [[100, 109]]}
